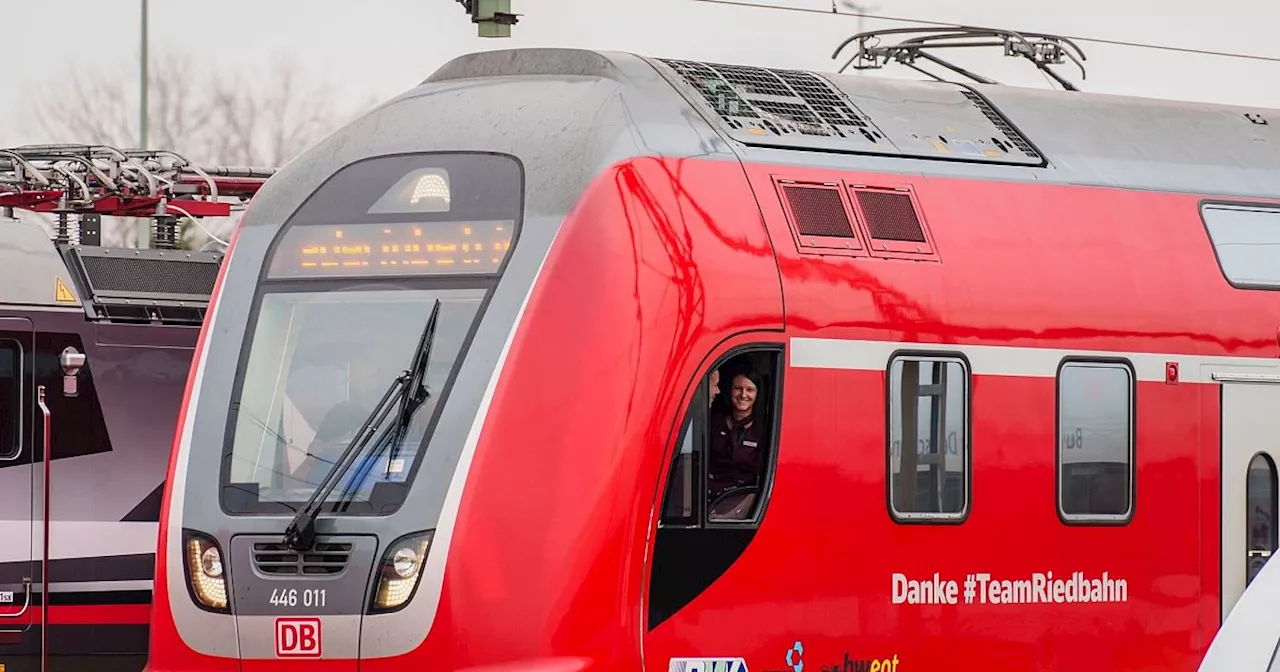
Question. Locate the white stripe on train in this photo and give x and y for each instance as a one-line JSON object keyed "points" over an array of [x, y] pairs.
{"points": [[1035, 362]]}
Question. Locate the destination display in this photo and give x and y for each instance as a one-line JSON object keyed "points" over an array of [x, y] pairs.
{"points": [[402, 248]]}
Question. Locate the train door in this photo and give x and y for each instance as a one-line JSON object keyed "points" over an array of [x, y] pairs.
{"points": [[19, 487], [1250, 449]]}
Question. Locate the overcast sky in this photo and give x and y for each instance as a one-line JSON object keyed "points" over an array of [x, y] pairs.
{"points": [[381, 47]]}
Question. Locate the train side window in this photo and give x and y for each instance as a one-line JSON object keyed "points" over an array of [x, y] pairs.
{"points": [[10, 398], [719, 479], [1246, 242], [928, 400], [1096, 408]]}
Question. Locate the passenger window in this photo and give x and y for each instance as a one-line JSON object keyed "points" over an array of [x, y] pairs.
{"points": [[928, 451], [1095, 441], [719, 478], [10, 399]]}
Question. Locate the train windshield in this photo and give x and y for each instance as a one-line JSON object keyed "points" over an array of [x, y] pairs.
{"points": [[319, 362], [345, 292]]}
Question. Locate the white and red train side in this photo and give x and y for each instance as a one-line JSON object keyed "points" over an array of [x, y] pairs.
{"points": [[676, 322]]}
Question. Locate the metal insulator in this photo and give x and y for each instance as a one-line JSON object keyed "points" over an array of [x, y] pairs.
{"points": [[164, 233], [63, 234]]}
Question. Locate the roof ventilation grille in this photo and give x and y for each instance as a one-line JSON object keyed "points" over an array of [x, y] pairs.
{"points": [[999, 122], [767, 101]]}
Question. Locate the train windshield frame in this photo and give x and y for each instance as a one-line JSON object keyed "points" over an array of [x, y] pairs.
{"points": [[343, 294]]}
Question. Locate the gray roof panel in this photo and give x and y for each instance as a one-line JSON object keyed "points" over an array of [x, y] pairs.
{"points": [[935, 128]]}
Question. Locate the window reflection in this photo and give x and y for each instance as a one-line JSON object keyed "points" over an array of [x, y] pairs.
{"points": [[1095, 440], [928, 416]]}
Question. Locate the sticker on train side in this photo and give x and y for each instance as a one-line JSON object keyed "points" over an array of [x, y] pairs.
{"points": [[707, 665], [298, 638]]}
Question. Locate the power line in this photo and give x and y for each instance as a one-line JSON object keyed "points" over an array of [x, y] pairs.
{"points": [[1096, 40]]}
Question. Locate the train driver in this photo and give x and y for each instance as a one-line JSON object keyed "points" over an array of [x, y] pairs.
{"points": [[737, 436]]}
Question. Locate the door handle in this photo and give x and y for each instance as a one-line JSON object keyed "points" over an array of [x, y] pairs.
{"points": [[1259, 554], [26, 603]]}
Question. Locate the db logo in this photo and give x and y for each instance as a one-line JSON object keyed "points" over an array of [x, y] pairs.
{"points": [[298, 637]]}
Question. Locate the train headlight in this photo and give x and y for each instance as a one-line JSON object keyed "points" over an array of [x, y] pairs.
{"points": [[399, 571], [205, 573]]}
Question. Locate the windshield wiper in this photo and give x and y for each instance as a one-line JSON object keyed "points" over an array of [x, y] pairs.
{"points": [[409, 390], [414, 396]]}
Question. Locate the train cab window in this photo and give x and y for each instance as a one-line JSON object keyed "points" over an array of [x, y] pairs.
{"points": [[719, 478], [928, 399], [1095, 441], [315, 372], [10, 398]]}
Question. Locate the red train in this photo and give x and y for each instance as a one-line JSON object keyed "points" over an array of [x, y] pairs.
{"points": [[568, 360]]}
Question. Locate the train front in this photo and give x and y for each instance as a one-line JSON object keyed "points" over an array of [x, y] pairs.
{"points": [[342, 382]]}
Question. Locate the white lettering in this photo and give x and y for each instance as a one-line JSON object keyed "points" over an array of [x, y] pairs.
{"points": [[929, 591], [1038, 588], [292, 597]]}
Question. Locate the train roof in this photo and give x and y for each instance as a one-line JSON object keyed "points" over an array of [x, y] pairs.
{"points": [[857, 122]]}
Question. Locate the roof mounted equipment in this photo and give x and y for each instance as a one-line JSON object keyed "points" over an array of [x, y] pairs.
{"points": [[1042, 49], [96, 180], [158, 285]]}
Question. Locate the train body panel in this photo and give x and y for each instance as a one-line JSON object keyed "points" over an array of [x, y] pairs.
{"points": [[1058, 294]]}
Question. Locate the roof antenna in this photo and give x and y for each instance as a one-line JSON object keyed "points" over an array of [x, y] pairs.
{"points": [[1042, 49]]}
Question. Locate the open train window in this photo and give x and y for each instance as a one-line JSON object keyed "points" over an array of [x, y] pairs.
{"points": [[724, 453], [1095, 441], [719, 479], [10, 398], [928, 401]]}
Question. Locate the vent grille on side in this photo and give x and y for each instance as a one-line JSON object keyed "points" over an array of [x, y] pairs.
{"points": [[150, 276], [775, 102], [818, 211], [279, 560], [881, 221], [142, 285], [890, 216]]}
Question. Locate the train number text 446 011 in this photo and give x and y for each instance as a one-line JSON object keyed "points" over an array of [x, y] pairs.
{"points": [[292, 597]]}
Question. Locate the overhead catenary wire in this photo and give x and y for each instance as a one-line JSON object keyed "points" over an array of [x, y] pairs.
{"points": [[1094, 40]]}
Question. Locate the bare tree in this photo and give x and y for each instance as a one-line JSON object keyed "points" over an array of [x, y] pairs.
{"points": [[211, 118]]}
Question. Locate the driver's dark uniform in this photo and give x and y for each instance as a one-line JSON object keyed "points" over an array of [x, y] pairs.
{"points": [[737, 455]]}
